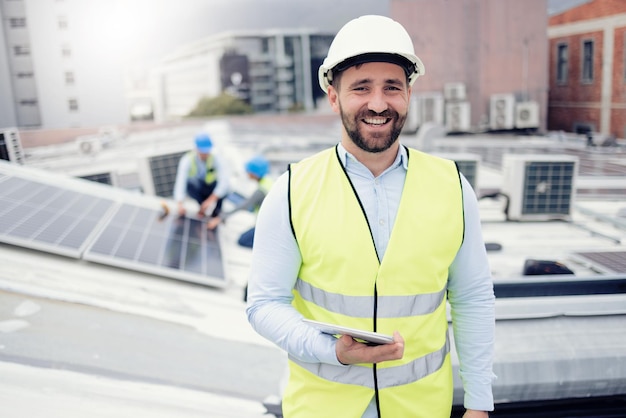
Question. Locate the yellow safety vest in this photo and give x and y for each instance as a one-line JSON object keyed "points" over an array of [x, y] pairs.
{"points": [[210, 175], [265, 184], [342, 281]]}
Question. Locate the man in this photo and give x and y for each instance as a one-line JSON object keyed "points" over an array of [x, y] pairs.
{"points": [[256, 169], [373, 235], [203, 176]]}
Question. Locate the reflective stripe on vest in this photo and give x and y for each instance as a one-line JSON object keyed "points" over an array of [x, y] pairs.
{"points": [[356, 306], [385, 378], [342, 281], [210, 175]]}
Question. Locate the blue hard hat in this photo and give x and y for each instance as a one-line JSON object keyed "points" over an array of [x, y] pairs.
{"points": [[204, 143], [259, 166]]}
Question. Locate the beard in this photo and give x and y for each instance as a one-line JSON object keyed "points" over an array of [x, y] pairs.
{"points": [[377, 142]]}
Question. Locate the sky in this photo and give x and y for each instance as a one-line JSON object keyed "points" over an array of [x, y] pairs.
{"points": [[156, 27], [558, 6]]}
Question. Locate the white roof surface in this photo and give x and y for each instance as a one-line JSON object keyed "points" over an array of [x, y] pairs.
{"points": [[527, 340]]}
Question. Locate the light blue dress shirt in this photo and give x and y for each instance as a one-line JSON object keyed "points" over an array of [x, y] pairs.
{"points": [[276, 262]]}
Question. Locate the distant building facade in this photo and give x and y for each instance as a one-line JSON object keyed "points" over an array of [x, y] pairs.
{"points": [[486, 62], [272, 70], [588, 69], [55, 69]]}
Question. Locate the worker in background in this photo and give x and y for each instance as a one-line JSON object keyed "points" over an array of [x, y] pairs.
{"points": [[257, 169], [374, 235], [203, 176]]}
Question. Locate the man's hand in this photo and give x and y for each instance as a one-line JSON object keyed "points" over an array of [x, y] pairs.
{"points": [[470, 413], [208, 203], [181, 209], [213, 223], [353, 352]]}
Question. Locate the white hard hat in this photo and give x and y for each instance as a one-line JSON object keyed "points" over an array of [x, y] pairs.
{"points": [[370, 38]]}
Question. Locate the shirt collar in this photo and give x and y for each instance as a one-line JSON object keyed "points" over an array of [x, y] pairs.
{"points": [[401, 158]]}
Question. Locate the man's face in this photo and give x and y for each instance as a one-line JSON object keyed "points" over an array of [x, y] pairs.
{"points": [[203, 155], [372, 100]]}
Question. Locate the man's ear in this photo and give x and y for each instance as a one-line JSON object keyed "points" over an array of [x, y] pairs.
{"points": [[333, 99]]}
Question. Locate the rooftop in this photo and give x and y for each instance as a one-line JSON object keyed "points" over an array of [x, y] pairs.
{"points": [[203, 309]]}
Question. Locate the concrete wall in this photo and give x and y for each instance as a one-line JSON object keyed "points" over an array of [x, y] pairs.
{"points": [[493, 46]]}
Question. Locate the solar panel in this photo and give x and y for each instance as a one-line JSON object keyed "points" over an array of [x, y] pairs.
{"points": [[606, 261], [49, 218], [65, 219], [142, 239]]}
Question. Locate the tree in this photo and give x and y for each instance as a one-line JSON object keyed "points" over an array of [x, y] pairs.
{"points": [[224, 104]]}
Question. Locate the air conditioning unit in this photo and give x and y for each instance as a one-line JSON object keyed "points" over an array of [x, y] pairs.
{"points": [[89, 145], [454, 92], [526, 115], [502, 112], [539, 187], [157, 173], [458, 116], [468, 164], [431, 108], [413, 120], [11, 146]]}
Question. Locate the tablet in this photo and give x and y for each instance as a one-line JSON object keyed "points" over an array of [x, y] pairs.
{"points": [[374, 338]]}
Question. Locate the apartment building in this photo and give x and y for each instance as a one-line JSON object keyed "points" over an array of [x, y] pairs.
{"points": [[588, 69], [59, 64], [274, 70]]}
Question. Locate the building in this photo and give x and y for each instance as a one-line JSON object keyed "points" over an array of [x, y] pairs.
{"points": [[588, 69], [59, 65], [81, 63], [272, 70], [486, 62]]}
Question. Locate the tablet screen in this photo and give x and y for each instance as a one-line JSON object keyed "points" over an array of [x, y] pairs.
{"points": [[366, 336]]}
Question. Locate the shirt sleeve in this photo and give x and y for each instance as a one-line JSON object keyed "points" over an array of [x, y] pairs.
{"points": [[274, 269], [250, 203], [223, 176], [472, 300], [180, 186]]}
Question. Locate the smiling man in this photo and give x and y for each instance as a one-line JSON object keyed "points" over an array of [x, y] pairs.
{"points": [[376, 236]]}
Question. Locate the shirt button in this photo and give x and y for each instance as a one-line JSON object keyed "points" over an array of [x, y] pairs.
{"points": [[381, 222]]}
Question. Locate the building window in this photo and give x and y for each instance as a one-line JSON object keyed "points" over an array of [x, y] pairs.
{"points": [[28, 102], [62, 22], [66, 51], [69, 78], [624, 52], [21, 50], [265, 45], [72, 105], [561, 63], [17, 22], [587, 73], [24, 74]]}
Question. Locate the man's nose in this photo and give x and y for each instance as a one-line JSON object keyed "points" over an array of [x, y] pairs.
{"points": [[378, 102]]}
